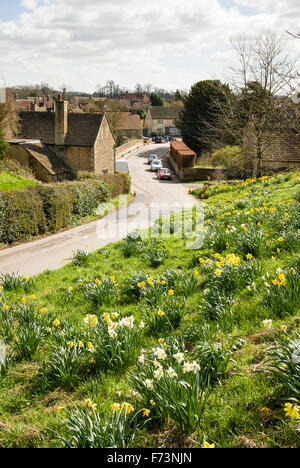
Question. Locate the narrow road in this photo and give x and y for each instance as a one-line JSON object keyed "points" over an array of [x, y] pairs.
{"points": [[154, 198]]}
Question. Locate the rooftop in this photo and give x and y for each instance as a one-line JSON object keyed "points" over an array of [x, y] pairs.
{"points": [[82, 128], [165, 113]]}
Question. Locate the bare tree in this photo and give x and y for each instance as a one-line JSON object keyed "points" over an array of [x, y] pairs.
{"points": [[263, 81], [138, 88]]}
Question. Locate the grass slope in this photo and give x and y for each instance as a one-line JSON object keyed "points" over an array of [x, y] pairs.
{"points": [[229, 307], [12, 181]]}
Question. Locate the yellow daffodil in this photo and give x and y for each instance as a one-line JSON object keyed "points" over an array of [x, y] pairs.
{"points": [[291, 410], [266, 410], [207, 445]]}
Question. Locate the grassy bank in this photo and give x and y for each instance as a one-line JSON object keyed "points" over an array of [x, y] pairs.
{"points": [[147, 343], [11, 181]]}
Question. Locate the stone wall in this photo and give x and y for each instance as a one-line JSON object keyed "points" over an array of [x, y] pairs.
{"points": [[128, 147], [277, 165], [197, 173], [78, 158], [104, 152]]}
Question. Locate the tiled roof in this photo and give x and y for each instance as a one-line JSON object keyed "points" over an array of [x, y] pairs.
{"points": [[82, 128], [165, 113], [46, 158], [128, 121]]}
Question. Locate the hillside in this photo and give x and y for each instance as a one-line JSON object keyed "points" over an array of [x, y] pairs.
{"points": [[148, 343], [14, 176], [12, 181]]}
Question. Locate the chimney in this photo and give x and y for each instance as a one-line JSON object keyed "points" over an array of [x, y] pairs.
{"points": [[61, 121]]}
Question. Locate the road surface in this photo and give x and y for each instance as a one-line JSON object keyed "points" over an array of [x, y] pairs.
{"points": [[154, 198]]}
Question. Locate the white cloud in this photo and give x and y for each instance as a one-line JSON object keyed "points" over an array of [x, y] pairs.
{"points": [[29, 4], [167, 42]]}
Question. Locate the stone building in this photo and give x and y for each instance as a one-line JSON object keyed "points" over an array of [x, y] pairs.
{"points": [[59, 145], [162, 121], [129, 125]]}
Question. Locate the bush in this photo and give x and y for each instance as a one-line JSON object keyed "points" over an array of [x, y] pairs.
{"points": [[21, 215], [234, 159], [58, 205], [51, 207]]}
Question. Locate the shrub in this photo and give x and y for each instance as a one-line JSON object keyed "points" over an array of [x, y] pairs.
{"points": [[58, 205], [236, 161], [21, 215]]}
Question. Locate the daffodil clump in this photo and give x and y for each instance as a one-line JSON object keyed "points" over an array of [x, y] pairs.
{"points": [[229, 273], [89, 426], [169, 381], [285, 363], [282, 292], [115, 339], [98, 291]]}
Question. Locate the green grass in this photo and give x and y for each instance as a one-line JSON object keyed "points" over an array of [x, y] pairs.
{"points": [[235, 392], [13, 181]]}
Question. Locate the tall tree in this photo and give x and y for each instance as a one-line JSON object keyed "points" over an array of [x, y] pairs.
{"points": [[199, 115], [156, 100]]}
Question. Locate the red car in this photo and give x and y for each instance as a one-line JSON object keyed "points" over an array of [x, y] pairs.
{"points": [[164, 173]]}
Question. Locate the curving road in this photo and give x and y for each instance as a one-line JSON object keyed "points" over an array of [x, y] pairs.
{"points": [[154, 198]]}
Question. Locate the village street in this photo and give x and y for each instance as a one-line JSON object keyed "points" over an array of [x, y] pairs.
{"points": [[50, 253]]}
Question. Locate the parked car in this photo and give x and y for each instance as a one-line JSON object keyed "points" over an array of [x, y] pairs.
{"points": [[151, 157], [156, 165], [164, 173], [158, 139]]}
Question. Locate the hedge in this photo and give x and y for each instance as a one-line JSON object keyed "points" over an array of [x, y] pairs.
{"points": [[21, 215], [120, 182], [51, 207]]}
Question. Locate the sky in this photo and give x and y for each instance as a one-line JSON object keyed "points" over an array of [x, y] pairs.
{"points": [[168, 43]]}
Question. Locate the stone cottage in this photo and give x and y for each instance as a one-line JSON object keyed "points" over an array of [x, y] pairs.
{"points": [[56, 146], [162, 121], [129, 125]]}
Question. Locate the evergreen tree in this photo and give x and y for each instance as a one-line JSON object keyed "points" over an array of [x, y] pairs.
{"points": [[156, 100], [198, 117]]}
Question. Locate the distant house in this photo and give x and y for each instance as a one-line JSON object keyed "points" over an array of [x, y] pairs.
{"points": [[129, 125], [59, 145], [162, 121], [44, 104], [135, 100]]}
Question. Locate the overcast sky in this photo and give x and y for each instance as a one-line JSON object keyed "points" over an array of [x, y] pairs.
{"points": [[169, 43]]}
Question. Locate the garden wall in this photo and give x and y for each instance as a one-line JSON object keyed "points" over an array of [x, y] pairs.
{"points": [[197, 173], [128, 147]]}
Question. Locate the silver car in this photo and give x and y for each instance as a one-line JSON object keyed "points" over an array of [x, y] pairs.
{"points": [[151, 158], [156, 165]]}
